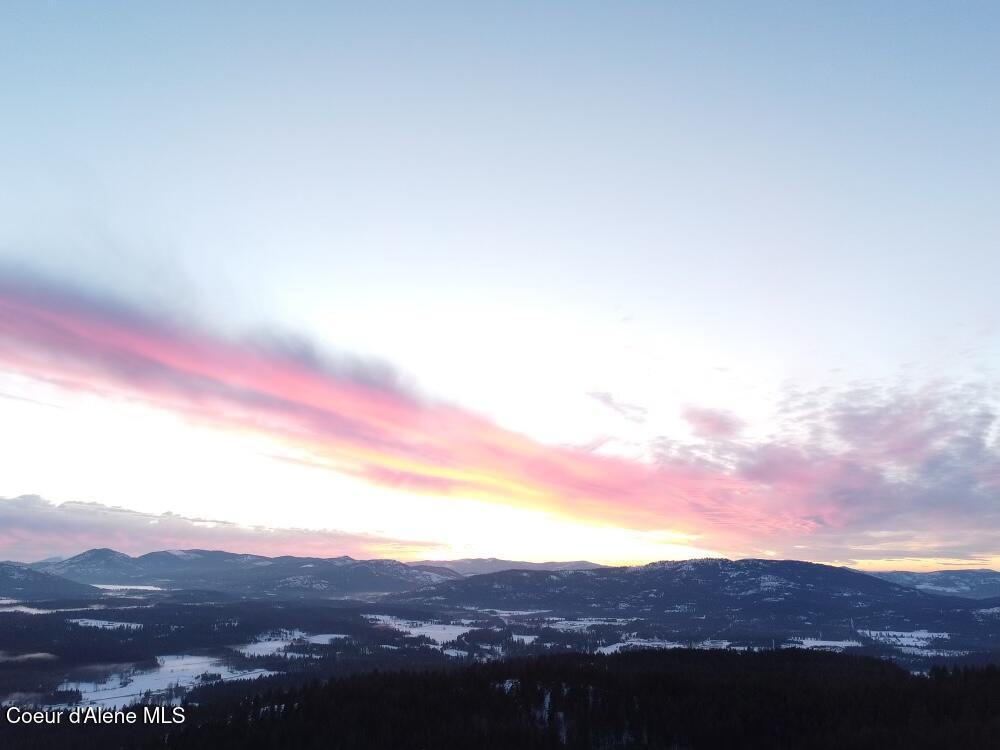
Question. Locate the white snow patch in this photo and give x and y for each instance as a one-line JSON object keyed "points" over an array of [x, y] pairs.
{"points": [[36, 611], [932, 651], [636, 643], [184, 555], [437, 632], [584, 624], [917, 638], [819, 644], [323, 639], [274, 644], [106, 624], [184, 671], [710, 645]]}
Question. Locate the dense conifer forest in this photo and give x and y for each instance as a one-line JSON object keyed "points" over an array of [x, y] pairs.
{"points": [[644, 699]]}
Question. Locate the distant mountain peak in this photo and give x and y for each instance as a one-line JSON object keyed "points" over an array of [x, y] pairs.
{"points": [[100, 553]]}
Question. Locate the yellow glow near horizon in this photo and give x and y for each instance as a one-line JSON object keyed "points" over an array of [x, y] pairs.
{"points": [[202, 472]]}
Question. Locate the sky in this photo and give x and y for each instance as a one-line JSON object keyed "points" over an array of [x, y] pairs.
{"points": [[608, 281]]}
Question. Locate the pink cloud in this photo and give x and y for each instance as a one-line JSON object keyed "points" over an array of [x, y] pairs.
{"points": [[851, 462], [341, 417], [710, 423]]}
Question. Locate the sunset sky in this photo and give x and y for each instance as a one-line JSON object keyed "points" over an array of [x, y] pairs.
{"points": [[570, 280]]}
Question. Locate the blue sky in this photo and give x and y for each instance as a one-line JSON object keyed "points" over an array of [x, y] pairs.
{"points": [[686, 206]]}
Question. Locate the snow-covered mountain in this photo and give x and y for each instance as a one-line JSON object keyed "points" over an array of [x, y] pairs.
{"points": [[713, 596]]}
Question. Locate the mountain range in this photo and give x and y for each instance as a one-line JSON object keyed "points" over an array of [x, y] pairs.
{"points": [[707, 596], [757, 594], [244, 574], [721, 601]]}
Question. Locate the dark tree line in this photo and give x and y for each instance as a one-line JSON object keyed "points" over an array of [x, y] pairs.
{"points": [[663, 699]]}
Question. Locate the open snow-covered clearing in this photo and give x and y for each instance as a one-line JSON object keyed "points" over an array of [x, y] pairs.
{"points": [[712, 644], [272, 644], [635, 643], [913, 638], [323, 639], [277, 643], [584, 624], [106, 624], [511, 614], [23, 609], [437, 632], [181, 670], [913, 651], [822, 645]]}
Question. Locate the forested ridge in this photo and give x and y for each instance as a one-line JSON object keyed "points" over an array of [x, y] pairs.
{"points": [[662, 699]]}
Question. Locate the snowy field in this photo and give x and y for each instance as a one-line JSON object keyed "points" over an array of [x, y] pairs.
{"points": [[819, 644], [437, 632], [950, 653], [633, 643], [911, 638], [511, 614], [180, 670], [106, 624], [23, 609], [583, 624], [324, 639], [277, 643]]}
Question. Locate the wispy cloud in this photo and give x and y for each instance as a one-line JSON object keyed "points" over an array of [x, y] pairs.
{"points": [[922, 461], [349, 415], [631, 412], [712, 423], [884, 470]]}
